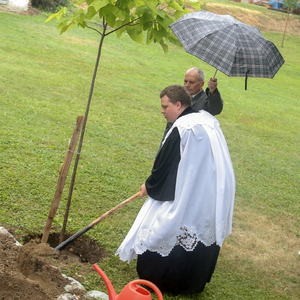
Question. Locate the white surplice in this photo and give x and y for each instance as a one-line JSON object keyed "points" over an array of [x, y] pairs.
{"points": [[204, 195]]}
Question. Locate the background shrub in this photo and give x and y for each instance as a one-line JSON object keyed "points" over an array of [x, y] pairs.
{"points": [[49, 5]]}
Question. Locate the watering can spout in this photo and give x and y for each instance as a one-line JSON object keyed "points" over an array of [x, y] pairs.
{"points": [[132, 291], [112, 294]]}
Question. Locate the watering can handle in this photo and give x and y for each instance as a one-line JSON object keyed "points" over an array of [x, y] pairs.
{"points": [[151, 285]]}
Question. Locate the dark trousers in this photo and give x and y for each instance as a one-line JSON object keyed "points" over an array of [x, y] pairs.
{"points": [[181, 272]]}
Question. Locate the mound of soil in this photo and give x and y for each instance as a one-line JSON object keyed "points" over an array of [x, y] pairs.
{"points": [[25, 272], [32, 271]]}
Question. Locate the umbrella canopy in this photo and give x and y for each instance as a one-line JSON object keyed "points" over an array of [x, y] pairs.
{"points": [[231, 46]]}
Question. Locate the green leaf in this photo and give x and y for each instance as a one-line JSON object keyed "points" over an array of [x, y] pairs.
{"points": [[80, 11], [131, 4], [141, 10], [110, 19], [59, 15], [51, 17], [119, 28], [195, 5], [80, 2], [164, 46], [152, 7], [139, 27], [150, 36], [82, 25], [176, 6], [164, 22], [66, 25], [91, 12], [98, 4], [146, 17], [135, 35], [62, 13], [158, 34], [120, 31], [63, 29], [109, 8], [179, 14], [161, 13], [146, 26], [80, 19], [61, 25], [122, 14], [71, 25], [118, 13]]}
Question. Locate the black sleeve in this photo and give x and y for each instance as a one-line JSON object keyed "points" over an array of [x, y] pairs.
{"points": [[168, 127], [214, 103], [161, 183]]}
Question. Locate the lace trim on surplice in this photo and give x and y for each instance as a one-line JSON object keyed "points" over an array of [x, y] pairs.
{"points": [[186, 237]]}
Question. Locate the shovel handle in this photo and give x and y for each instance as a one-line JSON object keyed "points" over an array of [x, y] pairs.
{"points": [[113, 210], [64, 244]]}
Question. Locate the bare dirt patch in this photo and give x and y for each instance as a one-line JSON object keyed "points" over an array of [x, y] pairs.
{"points": [[34, 271], [267, 20]]}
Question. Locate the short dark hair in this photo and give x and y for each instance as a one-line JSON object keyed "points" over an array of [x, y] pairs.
{"points": [[176, 92]]}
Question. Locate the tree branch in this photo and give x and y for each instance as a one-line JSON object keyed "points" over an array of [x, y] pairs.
{"points": [[94, 29], [124, 25]]}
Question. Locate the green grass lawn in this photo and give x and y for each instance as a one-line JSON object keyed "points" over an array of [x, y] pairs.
{"points": [[44, 85]]}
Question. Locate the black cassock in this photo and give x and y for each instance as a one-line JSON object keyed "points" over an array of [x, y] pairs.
{"points": [[181, 271], [177, 234]]}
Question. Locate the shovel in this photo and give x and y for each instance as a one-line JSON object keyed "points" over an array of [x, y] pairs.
{"points": [[91, 225]]}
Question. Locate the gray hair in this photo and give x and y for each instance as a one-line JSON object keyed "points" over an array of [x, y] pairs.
{"points": [[200, 73]]}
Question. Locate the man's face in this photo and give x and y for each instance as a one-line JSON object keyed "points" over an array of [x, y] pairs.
{"points": [[169, 110], [192, 83]]}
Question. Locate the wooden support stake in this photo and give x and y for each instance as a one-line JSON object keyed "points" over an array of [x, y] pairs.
{"points": [[62, 178]]}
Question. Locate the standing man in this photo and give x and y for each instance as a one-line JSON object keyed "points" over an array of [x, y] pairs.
{"points": [[178, 232], [209, 100]]}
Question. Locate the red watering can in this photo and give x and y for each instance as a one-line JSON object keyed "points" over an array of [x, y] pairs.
{"points": [[132, 291]]}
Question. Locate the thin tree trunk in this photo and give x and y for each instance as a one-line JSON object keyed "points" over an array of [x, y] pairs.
{"points": [[62, 234], [287, 18]]}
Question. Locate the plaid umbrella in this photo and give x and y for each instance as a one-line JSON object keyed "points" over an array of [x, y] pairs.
{"points": [[233, 47]]}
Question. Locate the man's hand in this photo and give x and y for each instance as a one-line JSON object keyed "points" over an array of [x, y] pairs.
{"points": [[143, 191], [212, 85]]}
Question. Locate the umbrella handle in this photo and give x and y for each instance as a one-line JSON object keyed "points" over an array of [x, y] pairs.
{"points": [[246, 78], [215, 73]]}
